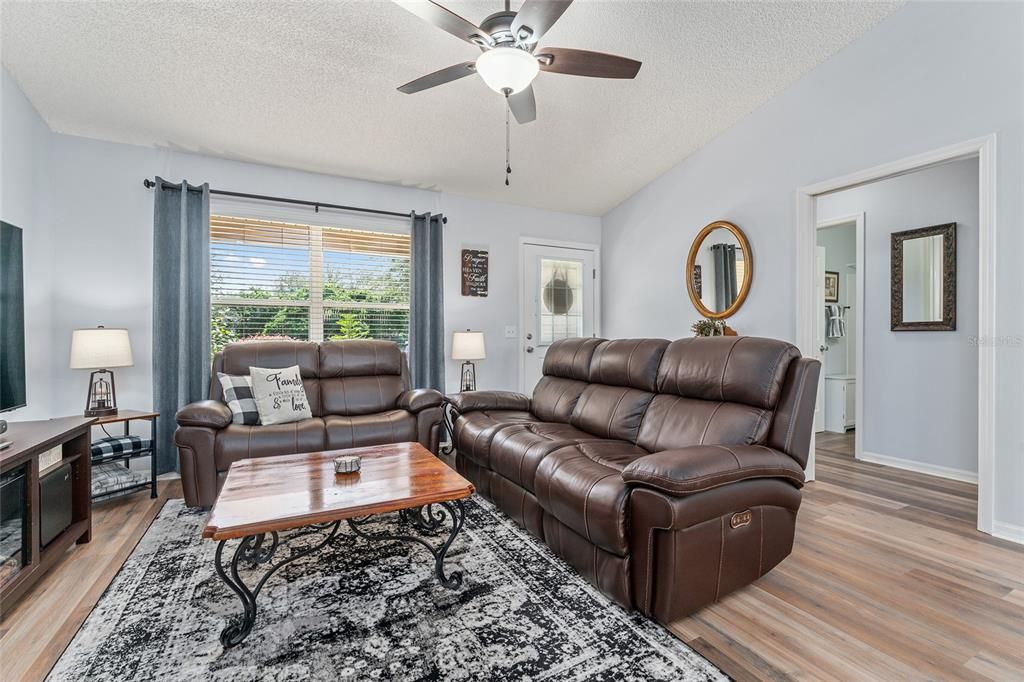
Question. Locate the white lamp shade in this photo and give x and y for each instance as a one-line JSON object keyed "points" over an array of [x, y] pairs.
{"points": [[100, 348], [468, 345], [507, 68]]}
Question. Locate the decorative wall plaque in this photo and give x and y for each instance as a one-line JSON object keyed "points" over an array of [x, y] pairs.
{"points": [[474, 272]]}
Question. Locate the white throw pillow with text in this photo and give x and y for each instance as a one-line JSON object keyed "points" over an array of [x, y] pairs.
{"points": [[280, 396]]}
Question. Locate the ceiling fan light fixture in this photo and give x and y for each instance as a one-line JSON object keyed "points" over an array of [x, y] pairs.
{"points": [[507, 69]]}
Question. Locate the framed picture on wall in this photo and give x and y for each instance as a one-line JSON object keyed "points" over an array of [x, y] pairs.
{"points": [[831, 287]]}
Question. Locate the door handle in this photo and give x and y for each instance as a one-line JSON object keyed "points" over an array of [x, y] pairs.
{"points": [[529, 349], [823, 348]]}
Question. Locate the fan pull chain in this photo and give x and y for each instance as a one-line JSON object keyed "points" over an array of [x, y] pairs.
{"points": [[508, 141]]}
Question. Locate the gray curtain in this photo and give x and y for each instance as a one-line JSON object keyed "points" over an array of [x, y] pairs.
{"points": [[426, 324], [724, 256], [181, 306]]}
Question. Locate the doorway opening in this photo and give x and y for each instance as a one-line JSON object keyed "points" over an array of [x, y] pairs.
{"points": [[922, 397], [838, 253]]}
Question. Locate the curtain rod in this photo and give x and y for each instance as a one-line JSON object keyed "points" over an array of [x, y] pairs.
{"points": [[317, 205]]}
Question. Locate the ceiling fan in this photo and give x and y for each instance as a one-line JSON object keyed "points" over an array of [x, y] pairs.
{"points": [[511, 59]]}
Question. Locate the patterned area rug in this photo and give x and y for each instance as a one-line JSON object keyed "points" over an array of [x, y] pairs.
{"points": [[370, 611]]}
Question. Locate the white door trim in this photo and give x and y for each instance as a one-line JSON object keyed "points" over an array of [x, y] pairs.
{"points": [[984, 149], [580, 246], [858, 220]]}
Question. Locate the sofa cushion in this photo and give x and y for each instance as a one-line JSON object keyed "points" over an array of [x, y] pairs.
{"points": [[237, 358], [392, 426], [570, 358], [360, 377], [468, 401], [566, 373], [474, 431], [672, 421], [357, 395], [622, 375], [516, 450], [581, 485], [360, 358], [693, 470], [628, 362], [611, 411], [554, 398], [236, 441], [737, 369]]}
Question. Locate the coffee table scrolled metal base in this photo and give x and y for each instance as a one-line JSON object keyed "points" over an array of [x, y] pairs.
{"points": [[258, 550], [426, 522]]}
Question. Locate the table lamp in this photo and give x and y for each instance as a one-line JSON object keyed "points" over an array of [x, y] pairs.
{"points": [[100, 349], [468, 346]]}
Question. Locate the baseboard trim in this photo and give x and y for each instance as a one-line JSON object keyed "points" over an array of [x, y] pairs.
{"points": [[1008, 531], [920, 467]]}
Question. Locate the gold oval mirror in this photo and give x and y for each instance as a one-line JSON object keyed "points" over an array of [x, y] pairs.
{"points": [[719, 270]]}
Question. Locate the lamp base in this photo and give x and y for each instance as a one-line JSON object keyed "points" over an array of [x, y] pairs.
{"points": [[101, 412], [101, 400], [468, 377]]}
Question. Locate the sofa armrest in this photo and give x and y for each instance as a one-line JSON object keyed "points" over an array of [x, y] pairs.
{"points": [[695, 469], [420, 399], [212, 414], [472, 401]]}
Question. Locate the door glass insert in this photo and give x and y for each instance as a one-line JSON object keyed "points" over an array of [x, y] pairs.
{"points": [[561, 300]]}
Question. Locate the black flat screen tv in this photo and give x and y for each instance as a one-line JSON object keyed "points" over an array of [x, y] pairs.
{"points": [[12, 319]]}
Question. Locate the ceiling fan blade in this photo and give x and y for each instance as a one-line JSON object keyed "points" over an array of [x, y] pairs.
{"points": [[535, 17], [446, 20], [446, 75], [523, 105], [585, 63]]}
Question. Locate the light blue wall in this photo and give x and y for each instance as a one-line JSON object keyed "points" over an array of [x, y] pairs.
{"points": [[24, 148]]}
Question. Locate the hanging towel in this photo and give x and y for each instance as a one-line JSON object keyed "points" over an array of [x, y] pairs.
{"points": [[835, 321]]}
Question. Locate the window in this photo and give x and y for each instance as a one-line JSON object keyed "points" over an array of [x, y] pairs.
{"points": [[561, 312], [282, 279]]}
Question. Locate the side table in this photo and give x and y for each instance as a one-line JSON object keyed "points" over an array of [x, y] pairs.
{"points": [[126, 455]]}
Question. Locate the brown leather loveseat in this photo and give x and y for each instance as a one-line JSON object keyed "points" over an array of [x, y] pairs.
{"points": [[358, 392], [668, 474]]}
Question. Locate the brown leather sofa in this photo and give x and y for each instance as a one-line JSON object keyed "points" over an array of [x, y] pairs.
{"points": [[358, 393], [668, 474]]}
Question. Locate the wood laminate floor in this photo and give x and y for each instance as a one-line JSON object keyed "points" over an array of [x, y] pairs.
{"points": [[888, 580]]}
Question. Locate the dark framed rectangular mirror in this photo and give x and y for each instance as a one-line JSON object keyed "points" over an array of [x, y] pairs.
{"points": [[923, 279]]}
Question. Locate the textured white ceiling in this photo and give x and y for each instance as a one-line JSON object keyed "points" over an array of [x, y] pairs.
{"points": [[311, 85]]}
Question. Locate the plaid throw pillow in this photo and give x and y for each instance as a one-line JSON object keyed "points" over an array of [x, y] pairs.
{"points": [[239, 398]]}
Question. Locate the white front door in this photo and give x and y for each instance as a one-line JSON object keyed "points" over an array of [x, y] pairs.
{"points": [[819, 337], [558, 302]]}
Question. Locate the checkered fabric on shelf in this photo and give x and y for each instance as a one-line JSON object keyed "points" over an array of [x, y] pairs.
{"points": [[239, 398], [120, 445], [113, 476]]}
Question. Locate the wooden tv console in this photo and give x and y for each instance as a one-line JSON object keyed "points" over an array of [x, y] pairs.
{"points": [[29, 440]]}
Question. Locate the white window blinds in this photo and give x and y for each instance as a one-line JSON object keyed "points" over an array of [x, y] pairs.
{"points": [[279, 279]]}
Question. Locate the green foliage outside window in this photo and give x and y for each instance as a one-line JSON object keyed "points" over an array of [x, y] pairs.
{"points": [[235, 322]]}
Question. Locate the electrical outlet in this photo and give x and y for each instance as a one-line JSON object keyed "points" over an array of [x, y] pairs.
{"points": [[510, 331]]}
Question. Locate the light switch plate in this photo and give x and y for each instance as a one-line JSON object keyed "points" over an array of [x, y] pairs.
{"points": [[510, 331]]}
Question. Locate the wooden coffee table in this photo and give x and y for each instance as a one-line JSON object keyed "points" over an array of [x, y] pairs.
{"points": [[301, 494]]}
